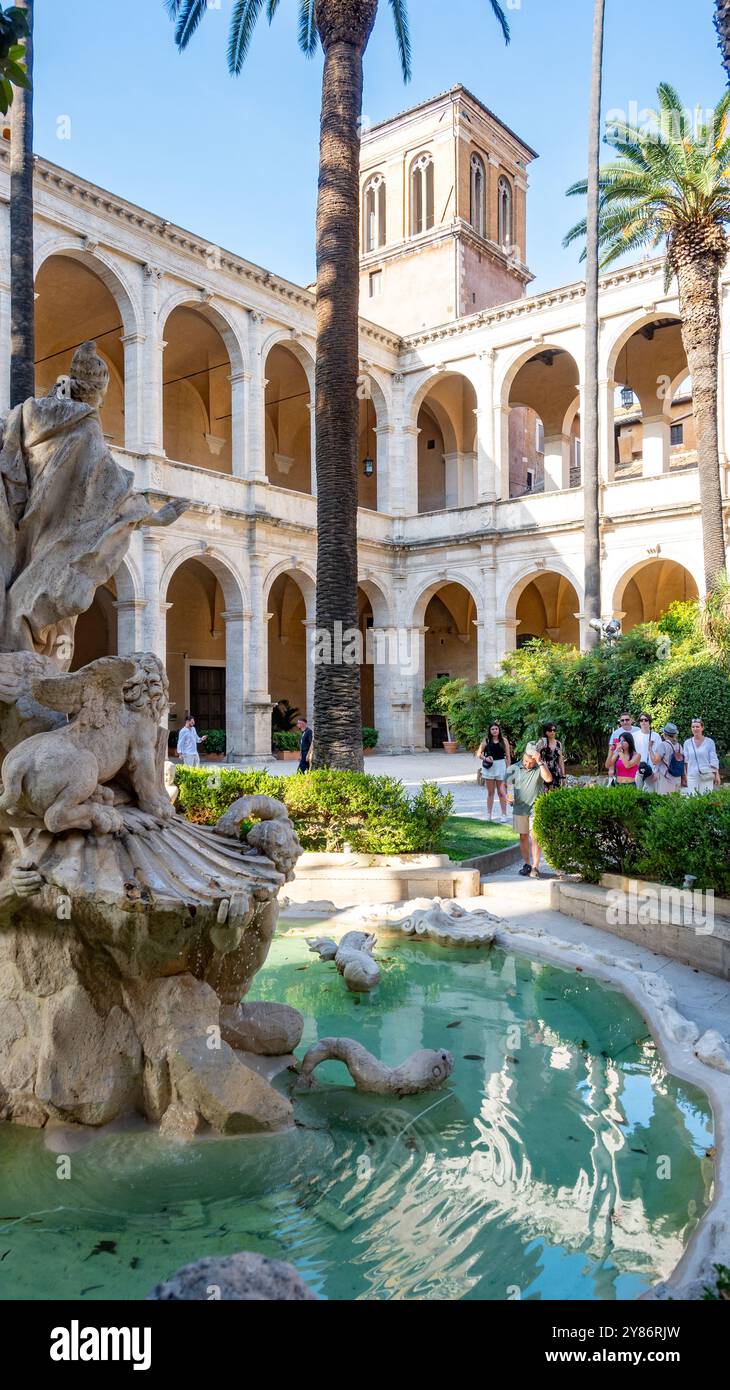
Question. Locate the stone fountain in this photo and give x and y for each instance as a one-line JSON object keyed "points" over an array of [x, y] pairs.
{"points": [[127, 936]]}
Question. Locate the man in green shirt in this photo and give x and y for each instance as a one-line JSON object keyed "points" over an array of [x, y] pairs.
{"points": [[525, 781]]}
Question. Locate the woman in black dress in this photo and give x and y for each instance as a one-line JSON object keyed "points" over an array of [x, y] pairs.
{"points": [[552, 754]]}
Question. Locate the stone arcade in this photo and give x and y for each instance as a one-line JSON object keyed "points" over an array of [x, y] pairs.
{"points": [[470, 521]]}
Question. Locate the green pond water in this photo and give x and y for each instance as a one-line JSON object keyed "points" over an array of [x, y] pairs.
{"points": [[562, 1161]]}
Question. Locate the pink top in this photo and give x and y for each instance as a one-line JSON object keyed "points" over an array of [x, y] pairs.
{"points": [[624, 773]]}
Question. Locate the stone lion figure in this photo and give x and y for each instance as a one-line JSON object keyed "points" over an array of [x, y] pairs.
{"points": [[60, 779]]}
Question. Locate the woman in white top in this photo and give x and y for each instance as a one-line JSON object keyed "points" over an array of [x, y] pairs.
{"points": [[649, 747], [701, 760]]}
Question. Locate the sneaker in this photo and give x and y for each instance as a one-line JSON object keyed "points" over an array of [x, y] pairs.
{"points": [[504, 820], [534, 873], [525, 870]]}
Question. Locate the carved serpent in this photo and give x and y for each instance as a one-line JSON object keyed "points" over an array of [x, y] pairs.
{"points": [[424, 1070]]}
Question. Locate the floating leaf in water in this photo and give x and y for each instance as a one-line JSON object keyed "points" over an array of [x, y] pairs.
{"points": [[455, 1024], [510, 1058], [639, 1151], [473, 1057]]}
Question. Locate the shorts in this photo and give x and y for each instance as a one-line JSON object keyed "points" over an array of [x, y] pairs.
{"points": [[523, 824], [497, 772], [191, 759]]}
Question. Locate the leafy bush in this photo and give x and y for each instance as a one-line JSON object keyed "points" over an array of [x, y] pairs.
{"points": [[374, 815], [370, 738], [688, 835], [596, 830], [690, 684], [431, 692], [286, 741], [215, 741], [593, 830]]}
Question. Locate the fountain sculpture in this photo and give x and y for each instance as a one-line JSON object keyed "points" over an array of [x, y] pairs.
{"points": [[127, 936]]}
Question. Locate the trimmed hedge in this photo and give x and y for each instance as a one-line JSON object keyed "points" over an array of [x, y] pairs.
{"points": [[374, 815], [286, 741], [215, 741], [596, 830]]}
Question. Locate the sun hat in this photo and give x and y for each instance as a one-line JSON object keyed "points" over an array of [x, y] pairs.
{"points": [[670, 729]]}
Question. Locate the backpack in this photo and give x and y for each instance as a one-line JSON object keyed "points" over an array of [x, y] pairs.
{"points": [[675, 766]]}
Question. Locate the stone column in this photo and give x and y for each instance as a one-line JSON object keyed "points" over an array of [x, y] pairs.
{"points": [[383, 434], [486, 471], [235, 621], [655, 445], [557, 462], [506, 634], [134, 402], [239, 410], [255, 424], [312, 447], [310, 626], [154, 634], [256, 643], [489, 655], [130, 621], [501, 449], [606, 435], [152, 355]]}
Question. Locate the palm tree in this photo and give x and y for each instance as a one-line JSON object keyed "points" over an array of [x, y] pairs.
{"points": [[589, 429], [13, 73], [343, 27], [671, 186], [22, 291], [722, 24]]}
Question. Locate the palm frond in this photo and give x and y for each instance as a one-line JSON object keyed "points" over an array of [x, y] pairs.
{"points": [[402, 34], [189, 15], [307, 27], [271, 8], [173, 8], [501, 19], [243, 22]]}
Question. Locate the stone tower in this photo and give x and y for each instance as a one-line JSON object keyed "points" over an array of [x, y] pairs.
{"points": [[443, 214]]}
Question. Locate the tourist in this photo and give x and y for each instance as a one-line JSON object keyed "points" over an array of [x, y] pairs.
{"points": [[552, 754], [495, 754], [528, 779], [625, 726], [671, 766], [187, 743], [701, 761], [305, 745], [623, 761], [648, 745]]}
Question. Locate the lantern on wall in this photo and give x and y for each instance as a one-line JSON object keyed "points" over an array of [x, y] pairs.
{"points": [[368, 463]]}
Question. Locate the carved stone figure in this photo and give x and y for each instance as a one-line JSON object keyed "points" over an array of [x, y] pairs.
{"points": [[425, 1070], [353, 958], [124, 930]]}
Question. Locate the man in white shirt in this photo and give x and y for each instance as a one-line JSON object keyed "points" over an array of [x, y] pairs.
{"points": [[625, 726], [701, 761], [187, 743]]}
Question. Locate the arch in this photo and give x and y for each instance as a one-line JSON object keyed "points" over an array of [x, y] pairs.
{"points": [[544, 603], [104, 267], [128, 582], [75, 302], [302, 575], [289, 609], [431, 587], [421, 193], [374, 213], [215, 314], [616, 343], [647, 588], [478, 194], [443, 411], [541, 384], [197, 396], [380, 602], [232, 584], [286, 337], [505, 212], [289, 417]]}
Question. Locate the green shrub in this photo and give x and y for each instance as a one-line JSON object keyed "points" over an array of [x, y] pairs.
{"points": [[374, 815], [370, 738], [286, 740], [215, 741], [431, 692], [596, 830], [687, 685], [593, 830], [688, 835]]}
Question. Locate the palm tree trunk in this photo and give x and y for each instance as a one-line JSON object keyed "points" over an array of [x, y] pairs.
{"points": [[22, 293], [722, 24], [589, 424], [699, 305], [344, 27]]}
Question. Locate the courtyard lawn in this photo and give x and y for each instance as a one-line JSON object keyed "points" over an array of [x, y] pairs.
{"points": [[465, 837]]}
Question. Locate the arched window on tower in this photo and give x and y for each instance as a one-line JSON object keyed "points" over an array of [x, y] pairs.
{"points": [[422, 193], [504, 206], [478, 216], [374, 213]]}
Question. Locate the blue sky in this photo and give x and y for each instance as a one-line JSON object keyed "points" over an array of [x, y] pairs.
{"points": [[235, 160]]}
